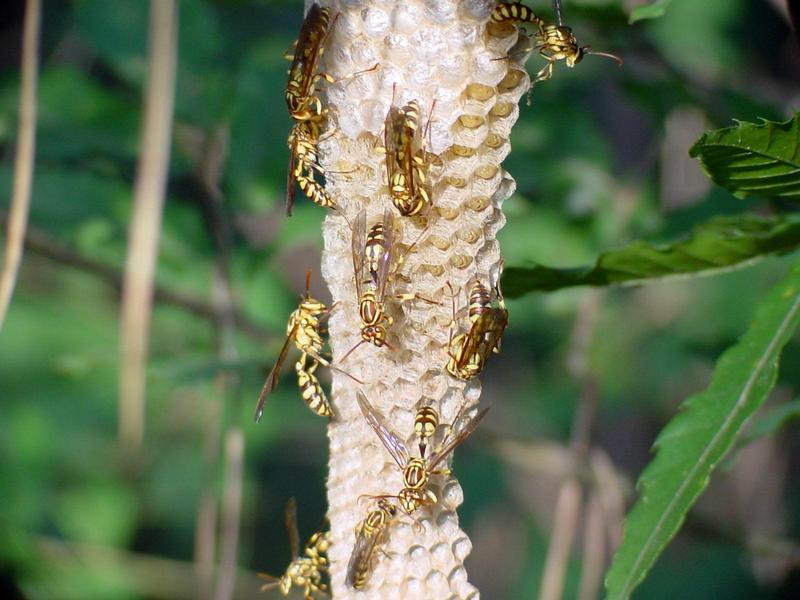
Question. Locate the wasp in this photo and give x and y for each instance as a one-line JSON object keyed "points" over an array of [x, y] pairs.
{"points": [[417, 470], [553, 41], [304, 329], [300, 96], [306, 571], [303, 164], [311, 389], [469, 351], [426, 422], [406, 160], [373, 259], [370, 533], [305, 107]]}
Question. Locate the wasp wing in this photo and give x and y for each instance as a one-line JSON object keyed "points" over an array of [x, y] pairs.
{"points": [[475, 337], [290, 520], [274, 375], [358, 246], [457, 439], [306, 53], [386, 258], [391, 441], [392, 136], [361, 557]]}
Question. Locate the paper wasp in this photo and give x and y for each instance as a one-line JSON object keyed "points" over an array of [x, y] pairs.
{"points": [[305, 107], [305, 571], [301, 101], [426, 422], [417, 471], [469, 351], [303, 141], [373, 259], [305, 331], [553, 41], [406, 167], [370, 533], [311, 389]]}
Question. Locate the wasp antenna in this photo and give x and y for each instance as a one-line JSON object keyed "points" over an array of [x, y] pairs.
{"points": [[273, 581], [308, 283], [349, 352], [353, 377], [613, 57]]}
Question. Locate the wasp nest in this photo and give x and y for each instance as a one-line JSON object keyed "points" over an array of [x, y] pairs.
{"points": [[467, 81]]}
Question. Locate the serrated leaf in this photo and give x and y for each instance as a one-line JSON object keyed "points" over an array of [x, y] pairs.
{"points": [[753, 158], [649, 11], [703, 432], [720, 245]]}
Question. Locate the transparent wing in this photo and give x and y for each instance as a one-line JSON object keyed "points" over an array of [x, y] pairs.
{"points": [[306, 40], [290, 520], [361, 557], [386, 259], [498, 321], [274, 375], [407, 132], [359, 242], [390, 139], [394, 445], [456, 440], [475, 336]]}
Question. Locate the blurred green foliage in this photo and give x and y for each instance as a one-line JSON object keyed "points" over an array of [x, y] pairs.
{"points": [[597, 166]]}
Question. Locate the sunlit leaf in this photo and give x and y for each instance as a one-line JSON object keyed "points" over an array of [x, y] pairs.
{"points": [[694, 442], [649, 11], [720, 245], [754, 158]]}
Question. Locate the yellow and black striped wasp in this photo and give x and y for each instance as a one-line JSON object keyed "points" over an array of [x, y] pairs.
{"points": [[469, 351], [300, 96], [407, 162], [374, 257], [371, 532], [304, 329], [306, 570], [303, 164], [417, 470], [553, 41], [426, 422], [305, 107]]}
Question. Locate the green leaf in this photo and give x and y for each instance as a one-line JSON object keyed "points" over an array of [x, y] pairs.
{"points": [[694, 442], [649, 11], [720, 245], [753, 158]]}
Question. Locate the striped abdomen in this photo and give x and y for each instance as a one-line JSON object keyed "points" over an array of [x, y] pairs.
{"points": [[480, 300], [311, 390], [514, 11]]}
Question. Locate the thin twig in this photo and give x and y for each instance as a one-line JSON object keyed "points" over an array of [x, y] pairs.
{"points": [[564, 525], [231, 513], [149, 192], [25, 158], [569, 496], [594, 549], [43, 244], [147, 575], [205, 532], [210, 200], [612, 489]]}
